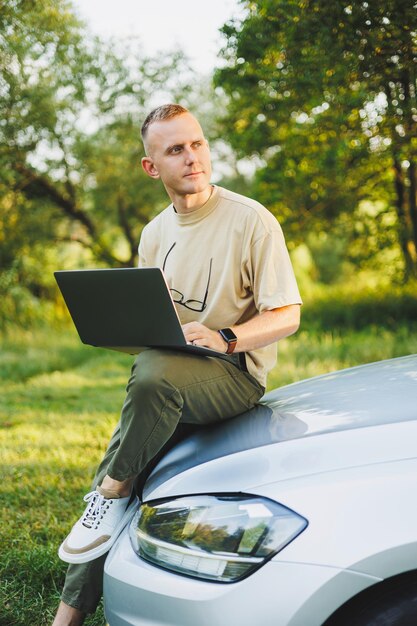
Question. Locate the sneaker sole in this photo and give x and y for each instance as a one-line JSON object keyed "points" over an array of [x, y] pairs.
{"points": [[85, 557]]}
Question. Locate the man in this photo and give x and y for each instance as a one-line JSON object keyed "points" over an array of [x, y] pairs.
{"points": [[229, 272]]}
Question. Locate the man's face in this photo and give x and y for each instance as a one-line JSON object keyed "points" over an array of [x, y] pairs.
{"points": [[179, 155]]}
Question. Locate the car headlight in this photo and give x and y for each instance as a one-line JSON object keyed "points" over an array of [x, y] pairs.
{"points": [[221, 538]]}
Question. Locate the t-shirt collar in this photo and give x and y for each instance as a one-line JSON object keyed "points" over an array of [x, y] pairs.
{"points": [[201, 213]]}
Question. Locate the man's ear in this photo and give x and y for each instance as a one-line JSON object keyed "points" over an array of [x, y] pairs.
{"points": [[148, 166]]}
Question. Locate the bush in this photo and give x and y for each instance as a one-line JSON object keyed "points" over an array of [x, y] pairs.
{"points": [[356, 309], [20, 306]]}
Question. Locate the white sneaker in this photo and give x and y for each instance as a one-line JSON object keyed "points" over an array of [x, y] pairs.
{"points": [[98, 528]]}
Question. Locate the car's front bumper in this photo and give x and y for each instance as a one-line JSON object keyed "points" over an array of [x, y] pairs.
{"points": [[281, 593]]}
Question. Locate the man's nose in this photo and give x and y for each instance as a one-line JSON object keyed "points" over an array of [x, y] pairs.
{"points": [[189, 156]]}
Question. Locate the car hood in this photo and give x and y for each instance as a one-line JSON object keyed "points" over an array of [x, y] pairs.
{"points": [[371, 395]]}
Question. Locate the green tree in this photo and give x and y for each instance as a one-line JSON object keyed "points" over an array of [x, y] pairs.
{"points": [[71, 108], [325, 93]]}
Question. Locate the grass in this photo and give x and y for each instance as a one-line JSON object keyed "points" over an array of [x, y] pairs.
{"points": [[311, 353], [58, 405], [59, 402]]}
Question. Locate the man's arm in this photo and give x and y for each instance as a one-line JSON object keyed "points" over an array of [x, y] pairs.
{"points": [[260, 331]]}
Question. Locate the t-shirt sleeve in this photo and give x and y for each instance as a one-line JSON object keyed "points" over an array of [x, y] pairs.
{"points": [[273, 280], [143, 260], [148, 246], [141, 254]]}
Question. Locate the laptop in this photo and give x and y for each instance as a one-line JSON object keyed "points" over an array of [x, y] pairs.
{"points": [[124, 309]]}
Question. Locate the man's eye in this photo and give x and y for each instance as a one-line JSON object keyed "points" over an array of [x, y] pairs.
{"points": [[175, 149]]}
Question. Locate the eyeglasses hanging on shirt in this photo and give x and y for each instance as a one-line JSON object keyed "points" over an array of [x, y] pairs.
{"points": [[179, 298]]}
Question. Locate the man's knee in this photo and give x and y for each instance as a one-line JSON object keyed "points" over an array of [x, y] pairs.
{"points": [[154, 371]]}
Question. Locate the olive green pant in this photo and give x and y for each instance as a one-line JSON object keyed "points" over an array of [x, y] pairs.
{"points": [[169, 395]]}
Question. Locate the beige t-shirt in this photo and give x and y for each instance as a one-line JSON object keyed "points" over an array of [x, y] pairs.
{"points": [[224, 263]]}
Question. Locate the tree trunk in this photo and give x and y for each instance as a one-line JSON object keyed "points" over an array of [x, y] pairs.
{"points": [[400, 205], [125, 226], [410, 126], [412, 174], [39, 185]]}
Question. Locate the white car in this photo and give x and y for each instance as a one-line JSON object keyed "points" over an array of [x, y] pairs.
{"points": [[300, 512]]}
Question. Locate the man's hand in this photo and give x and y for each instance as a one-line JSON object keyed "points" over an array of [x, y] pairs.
{"points": [[262, 330], [200, 335]]}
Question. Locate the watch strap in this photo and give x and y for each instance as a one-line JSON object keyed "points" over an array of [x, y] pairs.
{"points": [[230, 338]]}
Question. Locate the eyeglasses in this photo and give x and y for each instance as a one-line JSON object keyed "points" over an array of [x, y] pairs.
{"points": [[179, 298]]}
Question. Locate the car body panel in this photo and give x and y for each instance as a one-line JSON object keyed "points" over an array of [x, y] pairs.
{"points": [[340, 450], [249, 469], [138, 593], [367, 530], [338, 402]]}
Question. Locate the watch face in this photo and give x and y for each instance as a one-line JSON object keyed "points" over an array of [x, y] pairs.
{"points": [[228, 334]]}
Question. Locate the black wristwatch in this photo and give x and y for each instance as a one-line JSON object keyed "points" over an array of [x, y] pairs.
{"points": [[230, 338]]}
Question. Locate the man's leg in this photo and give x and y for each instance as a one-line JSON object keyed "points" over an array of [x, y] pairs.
{"points": [[167, 387], [83, 586], [68, 616], [164, 387]]}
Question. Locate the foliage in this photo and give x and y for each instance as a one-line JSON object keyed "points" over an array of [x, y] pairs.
{"points": [[325, 93], [71, 187], [358, 307]]}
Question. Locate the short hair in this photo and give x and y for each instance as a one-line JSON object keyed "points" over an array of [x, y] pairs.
{"points": [[161, 113]]}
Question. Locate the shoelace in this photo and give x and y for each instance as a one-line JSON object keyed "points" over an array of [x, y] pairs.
{"points": [[97, 507]]}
